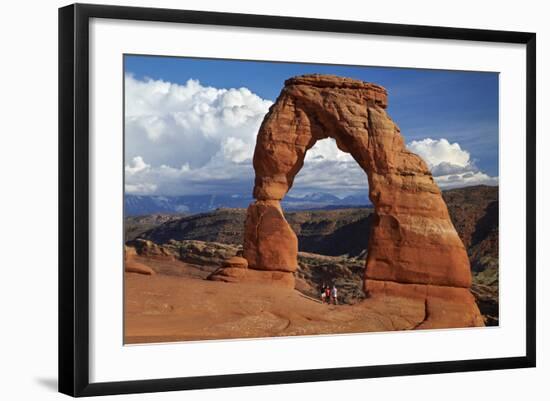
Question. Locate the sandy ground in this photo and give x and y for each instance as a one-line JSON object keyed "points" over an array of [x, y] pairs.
{"points": [[178, 304]]}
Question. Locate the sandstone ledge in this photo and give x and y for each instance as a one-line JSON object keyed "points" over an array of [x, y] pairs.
{"points": [[240, 275]]}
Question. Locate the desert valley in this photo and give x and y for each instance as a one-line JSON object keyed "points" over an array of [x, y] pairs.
{"points": [[172, 294]]}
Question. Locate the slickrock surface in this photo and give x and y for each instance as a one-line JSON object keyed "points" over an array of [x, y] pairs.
{"points": [[174, 307], [412, 241], [177, 303]]}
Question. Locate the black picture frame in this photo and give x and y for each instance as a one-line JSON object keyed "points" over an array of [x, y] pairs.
{"points": [[74, 198]]}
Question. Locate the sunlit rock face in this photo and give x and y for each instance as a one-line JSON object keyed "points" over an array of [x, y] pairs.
{"points": [[414, 250]]}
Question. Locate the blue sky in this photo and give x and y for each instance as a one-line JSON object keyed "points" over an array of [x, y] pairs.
{"points": [[456, 106]]}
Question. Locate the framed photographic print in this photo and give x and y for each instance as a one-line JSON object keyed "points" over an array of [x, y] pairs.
{"points": [[282, 199]]}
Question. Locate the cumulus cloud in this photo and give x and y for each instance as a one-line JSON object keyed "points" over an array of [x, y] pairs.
{"points": [[171, 124], [326, 150], [436, 151], [328, 169], [180, 136], [451, 165], [136, 165]]}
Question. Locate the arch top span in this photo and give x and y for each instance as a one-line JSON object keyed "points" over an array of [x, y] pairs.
{"points": [[314, 107], [412, 243], [367, 91]]}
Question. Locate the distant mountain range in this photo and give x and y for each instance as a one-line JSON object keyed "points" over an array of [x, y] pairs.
{"points": [[139, 205]]}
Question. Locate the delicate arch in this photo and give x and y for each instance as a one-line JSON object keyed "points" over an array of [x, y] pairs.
{"points": [[412, 241]]}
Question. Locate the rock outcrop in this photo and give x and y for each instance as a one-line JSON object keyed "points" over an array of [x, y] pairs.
{"points": [[151, 250], [131, 265], [203, 253], [414, 250]]}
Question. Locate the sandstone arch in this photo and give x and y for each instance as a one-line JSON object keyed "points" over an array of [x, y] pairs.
{"points": [[414, 250]]}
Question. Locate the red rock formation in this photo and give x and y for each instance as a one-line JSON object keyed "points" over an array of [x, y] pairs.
{"points": [[131, 265], [235, 269], [269, 242], [236, 262], [413, 242]]}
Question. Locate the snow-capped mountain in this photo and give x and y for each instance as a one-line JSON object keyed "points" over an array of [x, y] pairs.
{"points": [[135, 205]]}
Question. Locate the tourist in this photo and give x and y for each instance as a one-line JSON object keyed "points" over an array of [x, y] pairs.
{"points": [[334, 294], [327, 294], [323, 292]]}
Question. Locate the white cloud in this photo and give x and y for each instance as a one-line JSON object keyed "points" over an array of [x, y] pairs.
{"points": [[446, 168], [451, 165], [141, 189], [436, 151], [173, 124], [236, 150], [465, 179], [326, 149], [328, 169], [178, 135], [137, 165]]}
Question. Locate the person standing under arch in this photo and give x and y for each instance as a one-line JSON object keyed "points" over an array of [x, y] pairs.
{"points": [[334, 294]]}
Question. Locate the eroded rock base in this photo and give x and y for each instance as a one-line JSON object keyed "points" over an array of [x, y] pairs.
{"points": [[444, 307]]}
